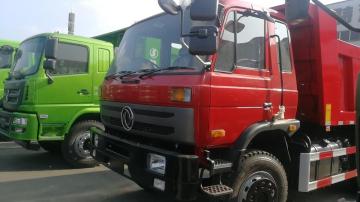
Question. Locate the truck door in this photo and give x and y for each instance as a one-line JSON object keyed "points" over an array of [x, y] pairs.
{"points": [[104, 59], [72, 77], [288, 72], [242, 81]]}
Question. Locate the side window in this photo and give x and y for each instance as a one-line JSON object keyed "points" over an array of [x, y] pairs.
{"points": [[250, 41], [5, 60], [103, 60], [282, 31], [71, 59], [226, 53]]}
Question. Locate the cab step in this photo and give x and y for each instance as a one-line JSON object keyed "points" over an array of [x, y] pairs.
{"points": [[219, 166], [217, 190]]}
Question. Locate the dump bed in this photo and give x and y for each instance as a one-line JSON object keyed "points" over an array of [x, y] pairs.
{"points": [[326, 69]]}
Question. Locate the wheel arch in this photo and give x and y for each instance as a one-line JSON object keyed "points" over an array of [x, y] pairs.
{"points": [[86, 114], [272, 137]]}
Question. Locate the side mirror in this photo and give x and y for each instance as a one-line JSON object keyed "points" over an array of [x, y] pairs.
{"points": [[203, 40], [51, 47], [7, 49], [204, 10], [49, 64], [169, 6], [297, 11]]}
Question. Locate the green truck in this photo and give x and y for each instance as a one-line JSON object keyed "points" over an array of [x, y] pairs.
{"points": [[7, 53], [51, 96]]}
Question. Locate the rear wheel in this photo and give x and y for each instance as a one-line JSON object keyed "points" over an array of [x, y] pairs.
{"points": [[260, 178], [53, 147], [75, 147]]}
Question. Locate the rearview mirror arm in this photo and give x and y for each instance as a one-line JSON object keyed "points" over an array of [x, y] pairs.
{"points": [[50, 79]]}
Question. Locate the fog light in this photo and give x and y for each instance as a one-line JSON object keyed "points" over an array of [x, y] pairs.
{"points": [[159, 184], [20, 121], [157, 163], [19, 130]]}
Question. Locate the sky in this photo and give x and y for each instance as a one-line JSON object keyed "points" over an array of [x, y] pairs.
{"points": [[20, 19]]}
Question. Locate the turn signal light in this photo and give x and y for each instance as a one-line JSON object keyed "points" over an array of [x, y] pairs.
{"points": [[292, 128], [218, 133], [180, 94]]}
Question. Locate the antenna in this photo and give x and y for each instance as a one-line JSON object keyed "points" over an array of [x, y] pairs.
{"points": [[71, 23]]}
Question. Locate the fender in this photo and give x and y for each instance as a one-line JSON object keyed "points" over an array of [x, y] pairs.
{"points": [[250, 133], [91, 110]]}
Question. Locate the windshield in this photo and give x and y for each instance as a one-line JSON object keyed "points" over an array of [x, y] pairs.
{"points": [[156, 44], [28, 56], [5, 59]]}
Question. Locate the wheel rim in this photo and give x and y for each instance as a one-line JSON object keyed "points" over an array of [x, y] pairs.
{"points": [[80, 144], [258, 187]]}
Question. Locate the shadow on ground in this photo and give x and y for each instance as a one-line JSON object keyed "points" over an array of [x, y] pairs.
{"points": [[56, 182], [15, 158]]}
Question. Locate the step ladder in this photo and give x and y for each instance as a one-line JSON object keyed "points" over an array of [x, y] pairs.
{"points": [[217, 167]]}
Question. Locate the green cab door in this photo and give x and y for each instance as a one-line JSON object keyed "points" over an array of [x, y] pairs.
{"points": [[59, 102], [72, 79]]}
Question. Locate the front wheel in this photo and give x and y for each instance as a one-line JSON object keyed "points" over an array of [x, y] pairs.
{"points": [[260, 177], [75, 148]]}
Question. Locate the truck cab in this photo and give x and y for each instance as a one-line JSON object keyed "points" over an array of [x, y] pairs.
{"points": [[7, 53], [210, 99], [51, 97], [168, 112]]}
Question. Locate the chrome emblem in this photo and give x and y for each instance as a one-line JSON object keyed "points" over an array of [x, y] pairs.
{"points": [[127, 118]]}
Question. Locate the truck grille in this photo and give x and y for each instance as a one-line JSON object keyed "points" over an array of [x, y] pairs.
{"points": [[166, 123], [12, 96]]}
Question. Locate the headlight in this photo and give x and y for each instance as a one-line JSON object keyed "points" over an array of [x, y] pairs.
{"points": [[19, 130], [20, 121], [157, 163]]}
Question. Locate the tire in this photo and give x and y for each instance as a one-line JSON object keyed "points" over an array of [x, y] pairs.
{"points": [[53, 147], [260, 177], [74, 146]]}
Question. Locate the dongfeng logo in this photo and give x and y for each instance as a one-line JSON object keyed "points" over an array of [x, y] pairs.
{"points": [[127, 118]]}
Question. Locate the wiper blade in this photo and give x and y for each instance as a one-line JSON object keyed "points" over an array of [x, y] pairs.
{"points": [[118, 74], [127, 74], [164, 69]]}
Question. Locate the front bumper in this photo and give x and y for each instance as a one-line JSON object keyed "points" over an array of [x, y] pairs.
{"points": [[181, 174], [8, 128]]}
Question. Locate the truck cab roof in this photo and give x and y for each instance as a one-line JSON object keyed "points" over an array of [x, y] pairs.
{"points": [[74, 38]]}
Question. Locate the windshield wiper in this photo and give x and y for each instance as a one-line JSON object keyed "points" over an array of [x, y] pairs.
{"points": [[118, 74], [131, 73], [164, 69]]}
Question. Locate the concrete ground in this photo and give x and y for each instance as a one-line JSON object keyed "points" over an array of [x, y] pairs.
{"points": [[27, 176]]}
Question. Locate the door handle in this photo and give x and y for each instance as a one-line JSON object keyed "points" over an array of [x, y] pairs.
{"points": [[83, 92], [267, 105]]}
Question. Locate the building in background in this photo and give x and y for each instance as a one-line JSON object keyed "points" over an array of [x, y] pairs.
{"points": [[350, 11]]}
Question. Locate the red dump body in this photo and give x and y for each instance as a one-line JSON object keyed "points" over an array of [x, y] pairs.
{"points": [[326, 69]]}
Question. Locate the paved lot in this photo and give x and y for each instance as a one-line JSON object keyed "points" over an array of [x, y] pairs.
{"points": [[27, 176]]}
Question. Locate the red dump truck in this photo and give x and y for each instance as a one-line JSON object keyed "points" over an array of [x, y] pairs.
{"points": [[237, 102]]}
